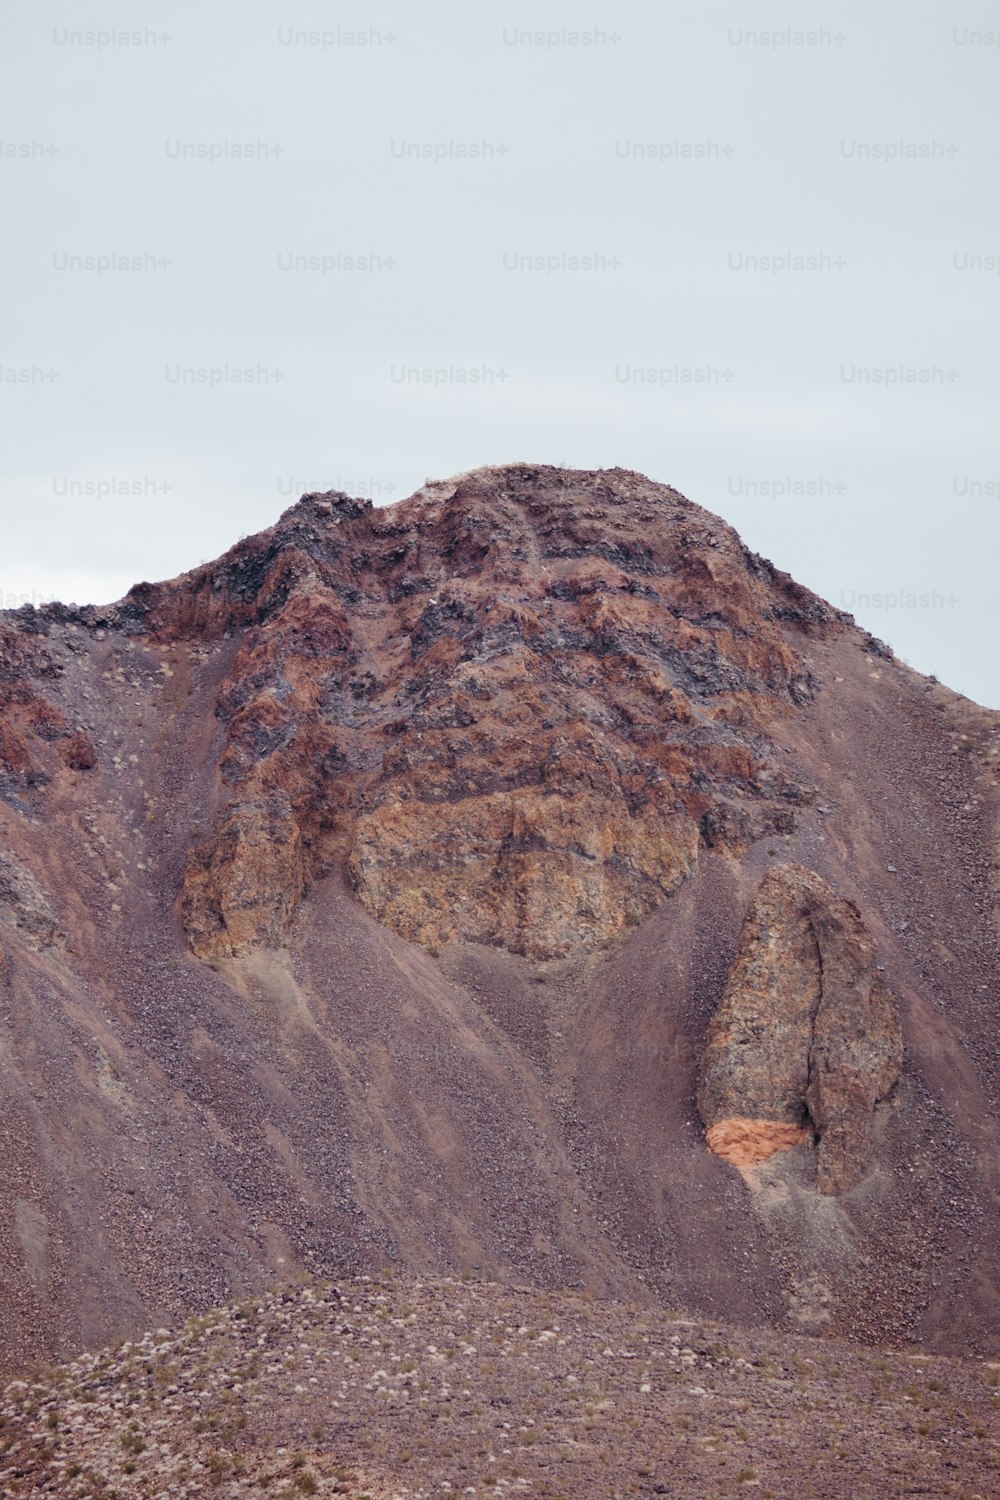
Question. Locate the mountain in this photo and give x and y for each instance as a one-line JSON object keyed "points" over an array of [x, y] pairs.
{"points": [[524, 881]]}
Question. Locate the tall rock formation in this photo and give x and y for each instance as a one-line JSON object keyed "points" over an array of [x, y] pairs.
{"points": [[806, 1040]]}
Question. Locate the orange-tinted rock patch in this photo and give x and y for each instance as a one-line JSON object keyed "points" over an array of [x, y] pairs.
{"points": [[746, 1143]]}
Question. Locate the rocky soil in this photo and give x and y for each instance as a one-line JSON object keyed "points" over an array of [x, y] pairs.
{"points": [[367, 896], [407, 1390]]}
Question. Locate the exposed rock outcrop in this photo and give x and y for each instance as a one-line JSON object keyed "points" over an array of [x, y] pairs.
{"points": [[36, 738], [806, 1040], [516, 705]]}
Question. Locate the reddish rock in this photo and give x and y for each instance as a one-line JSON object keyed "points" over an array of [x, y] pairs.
{"points": [[517, 704], [78, 753]]}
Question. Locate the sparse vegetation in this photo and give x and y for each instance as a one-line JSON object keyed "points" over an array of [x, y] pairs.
{"points": [[611, 1395]]}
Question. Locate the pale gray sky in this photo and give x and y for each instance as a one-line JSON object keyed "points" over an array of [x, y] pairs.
{"points": [[685, 150]]}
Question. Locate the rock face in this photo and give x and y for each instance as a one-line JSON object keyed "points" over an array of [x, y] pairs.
{"points": [[806, 1040], [516, 707]]}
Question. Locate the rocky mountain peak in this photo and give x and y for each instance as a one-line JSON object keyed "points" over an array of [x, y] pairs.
{"points": [[519, 702]]}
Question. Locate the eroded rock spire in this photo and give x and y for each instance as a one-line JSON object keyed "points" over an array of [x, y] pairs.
{"points": [[805, 1041]]}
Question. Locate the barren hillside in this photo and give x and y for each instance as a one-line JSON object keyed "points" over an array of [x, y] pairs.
{"points": [[403, 1390]]}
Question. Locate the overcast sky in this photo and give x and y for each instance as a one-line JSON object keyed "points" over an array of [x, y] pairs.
{"points": [[782, 217]]}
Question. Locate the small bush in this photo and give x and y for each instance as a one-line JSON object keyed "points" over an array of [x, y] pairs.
{"points": [[218, 1466]]}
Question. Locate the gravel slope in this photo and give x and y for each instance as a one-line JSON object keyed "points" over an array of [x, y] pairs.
{"points": [[403, 1390]]}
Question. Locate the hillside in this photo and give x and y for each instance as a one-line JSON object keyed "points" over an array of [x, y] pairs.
{"points": [[524, 881], [400, 1390]]}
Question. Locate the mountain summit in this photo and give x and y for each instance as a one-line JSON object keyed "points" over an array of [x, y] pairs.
{"points": [[524, 880]]}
